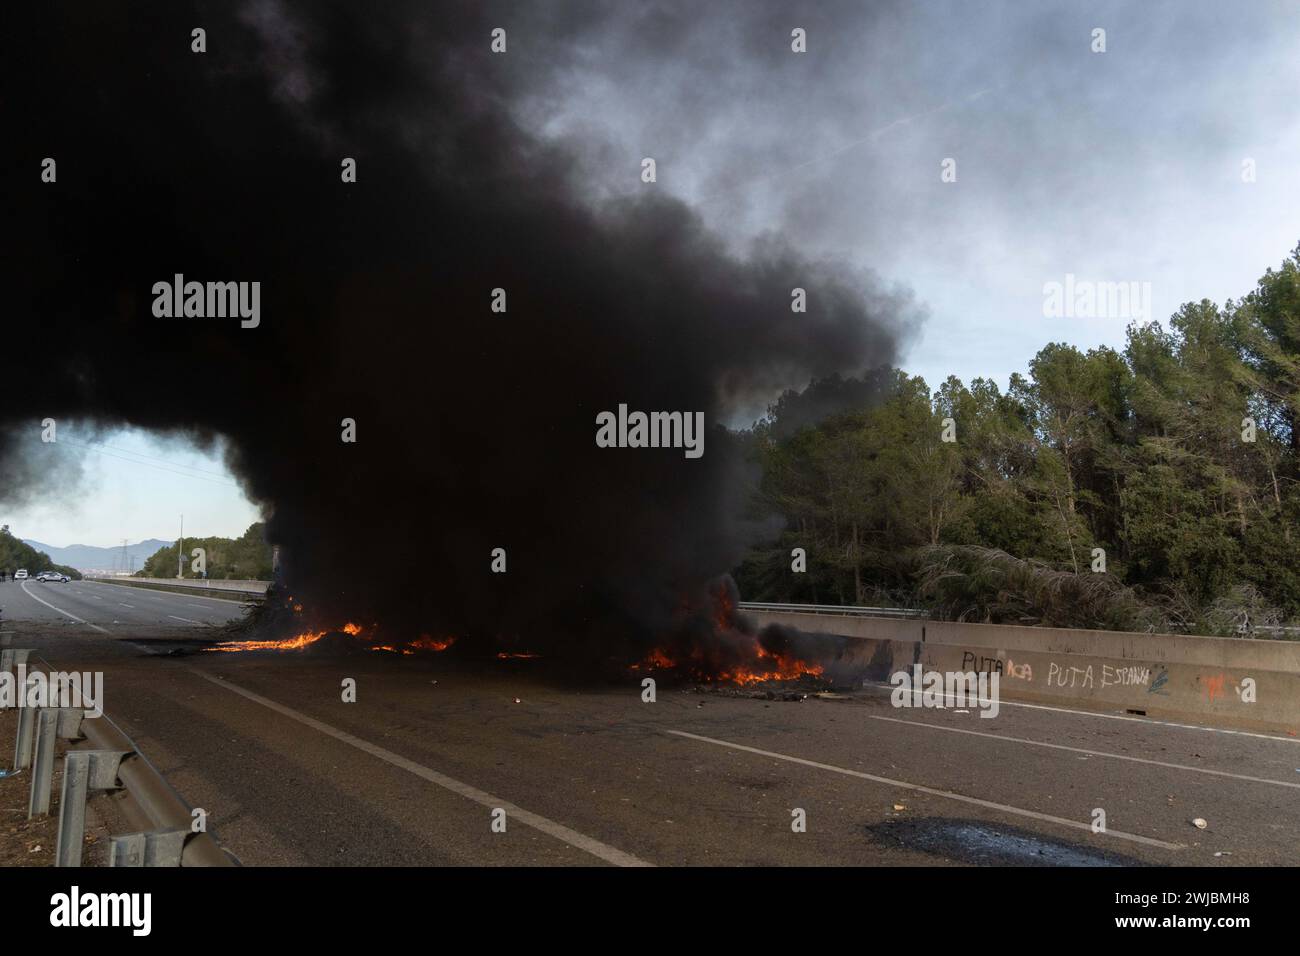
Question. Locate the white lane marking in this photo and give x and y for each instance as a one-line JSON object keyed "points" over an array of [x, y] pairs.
{"points": [[151, 592], [889, 689], [199, 606], [61, 611], [1091, 753], [946, 794], [185, 619], [139, 592], [131, 606], [572, 837]]}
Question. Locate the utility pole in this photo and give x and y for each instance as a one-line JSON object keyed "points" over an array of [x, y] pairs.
{"points": [[180, 551]]}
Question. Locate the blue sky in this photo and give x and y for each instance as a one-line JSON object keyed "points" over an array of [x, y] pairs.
{"points": [[132, 485]]}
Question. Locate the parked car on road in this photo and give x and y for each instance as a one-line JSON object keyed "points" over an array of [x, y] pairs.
{"points": [[58, 576], [20, 574]]}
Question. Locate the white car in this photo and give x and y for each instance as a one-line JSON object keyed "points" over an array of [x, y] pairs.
{"points": [[53, 576], [20, 575]]}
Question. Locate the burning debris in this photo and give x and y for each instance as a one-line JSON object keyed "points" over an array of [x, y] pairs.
{"points": [[716, 645], [348, 638], [765, 667], [426, 643], [295, 643]]}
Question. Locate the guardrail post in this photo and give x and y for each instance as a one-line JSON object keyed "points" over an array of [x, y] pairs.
{"points": [[70, 719], [23, 745], [11, 658], [38, 798], [52, 723], [152, 848], [26, 715], [84, 770]]}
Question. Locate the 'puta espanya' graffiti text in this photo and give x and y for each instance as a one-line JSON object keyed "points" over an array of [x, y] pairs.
{"points": [[1129, 675], [1063, 675]]}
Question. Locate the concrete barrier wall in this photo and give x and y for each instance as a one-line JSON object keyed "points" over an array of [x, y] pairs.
{"points": [[206, 584], [163, 584], [1195, 679]]}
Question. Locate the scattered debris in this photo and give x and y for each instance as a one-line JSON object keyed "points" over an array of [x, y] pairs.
{"points": [[793, 689], [1199, 823], [518, 701], [899, 806]]}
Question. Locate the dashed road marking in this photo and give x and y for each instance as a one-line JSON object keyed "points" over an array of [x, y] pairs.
{"points": [[934, 792], [557, 830], [1082, 750], [889, 689], [61, 611]]}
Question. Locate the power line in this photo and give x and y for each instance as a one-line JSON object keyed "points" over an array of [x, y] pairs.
{"points": [[140, 454], [183, 474]]}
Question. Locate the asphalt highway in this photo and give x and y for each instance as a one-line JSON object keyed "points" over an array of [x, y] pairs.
{"points": [[112, 609], [413, 771]]}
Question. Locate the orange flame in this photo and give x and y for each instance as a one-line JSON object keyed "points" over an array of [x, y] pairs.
{"points": [[778, 667], [656, 660], [426, 642], [423, 643], [287, 644], [767, 666]]}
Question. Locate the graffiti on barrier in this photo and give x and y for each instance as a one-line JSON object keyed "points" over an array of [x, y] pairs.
{"points": [[1214, 687], [1069, 675], [1158, 685], [980, 664], [1127, 675]]}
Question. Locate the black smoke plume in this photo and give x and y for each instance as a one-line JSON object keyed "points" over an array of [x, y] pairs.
{"points": [[475, 430]]}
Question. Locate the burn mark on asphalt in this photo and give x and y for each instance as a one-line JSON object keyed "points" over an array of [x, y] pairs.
{"points": [[990, 844]]}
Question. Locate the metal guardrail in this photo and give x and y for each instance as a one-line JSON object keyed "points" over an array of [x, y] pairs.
{"points": [[170, 818], [108, 760], [833, 609], [1276, 630]]}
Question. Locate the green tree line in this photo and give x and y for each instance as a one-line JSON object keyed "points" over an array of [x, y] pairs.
{"points": [[1153, 487], [247, 557], [16, 554]]}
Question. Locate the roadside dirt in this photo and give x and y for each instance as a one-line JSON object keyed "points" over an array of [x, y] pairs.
{"points": [[26, 842]]}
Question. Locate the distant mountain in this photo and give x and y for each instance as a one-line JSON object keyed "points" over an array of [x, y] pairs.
{"points": [[87, 557]]}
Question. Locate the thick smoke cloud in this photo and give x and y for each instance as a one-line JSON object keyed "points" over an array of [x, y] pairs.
{"points": [[475, 430]]}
